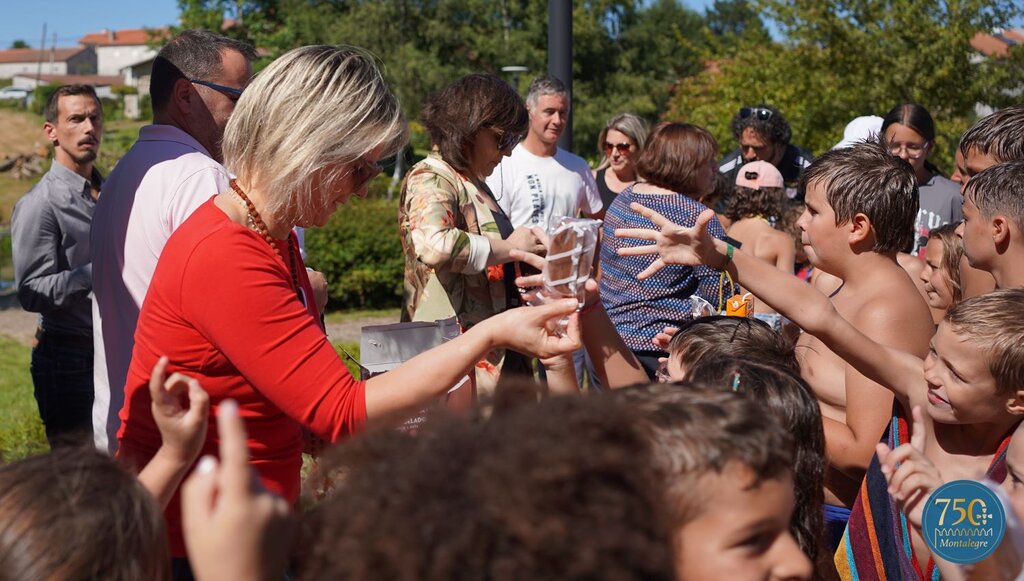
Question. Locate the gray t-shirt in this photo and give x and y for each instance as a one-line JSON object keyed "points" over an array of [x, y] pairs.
{"points": [[941, 204]]}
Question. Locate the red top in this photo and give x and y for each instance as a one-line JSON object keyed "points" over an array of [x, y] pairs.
{"points": [[221, 306]]}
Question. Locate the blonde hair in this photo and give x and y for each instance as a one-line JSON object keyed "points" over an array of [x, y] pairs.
{"points": [[308, 115], [627, 124], [991, 321]]}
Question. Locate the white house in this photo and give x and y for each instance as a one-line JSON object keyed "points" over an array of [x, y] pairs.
{"points": [[117, 49], [137, 75], [77, 60], [102, 83]]}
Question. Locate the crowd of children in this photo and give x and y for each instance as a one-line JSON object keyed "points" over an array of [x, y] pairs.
{"points": [[756, 458]]}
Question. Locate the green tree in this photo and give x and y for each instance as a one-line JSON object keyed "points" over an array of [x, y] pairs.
{"points": [[627, 54], [19, 43], [845, 58]]}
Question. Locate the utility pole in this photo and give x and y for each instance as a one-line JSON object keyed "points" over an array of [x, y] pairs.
{"points": [[42, 49], [53, 53], [560, 55]]}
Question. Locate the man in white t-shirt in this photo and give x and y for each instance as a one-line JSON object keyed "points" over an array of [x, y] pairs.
{"points": [[540, 181], [169, 172]]}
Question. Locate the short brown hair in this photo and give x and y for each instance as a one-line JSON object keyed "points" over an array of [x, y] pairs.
{"points": [[991, 322], [781, 391], [1000, 135], [866, 178], [695, 431], [453, 116], [563, 489], [737, 337], [952, 252], [50, 109], [999, 189], [673, 153], [76, 514]]}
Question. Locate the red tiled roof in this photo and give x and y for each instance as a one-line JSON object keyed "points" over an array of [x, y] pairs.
{"points": [[31, 55], [997, 44], [128, 36], [97, 80]]}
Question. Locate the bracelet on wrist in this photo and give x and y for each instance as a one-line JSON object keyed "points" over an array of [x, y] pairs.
{"points": [[729, 250]]}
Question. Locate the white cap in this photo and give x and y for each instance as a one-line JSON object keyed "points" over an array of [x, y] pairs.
{"points": [[860, 129]]}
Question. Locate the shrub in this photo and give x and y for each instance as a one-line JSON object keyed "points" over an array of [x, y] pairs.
{"points": [[40, 95], [360, 253]]}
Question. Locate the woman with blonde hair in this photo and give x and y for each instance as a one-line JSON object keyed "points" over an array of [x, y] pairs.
{"points": [[229, 301], [621, 142]]}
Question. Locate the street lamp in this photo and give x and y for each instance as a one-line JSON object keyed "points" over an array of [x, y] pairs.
{"points": [[514, 70]]}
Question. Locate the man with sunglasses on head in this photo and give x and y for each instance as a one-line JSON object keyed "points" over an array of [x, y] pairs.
{"points": [[173, 167], [763, 134], [539, 181]]}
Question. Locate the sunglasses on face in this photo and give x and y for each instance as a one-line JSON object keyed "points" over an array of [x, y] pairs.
{"points": [[622, 148], [229, 92], [759, 112], [506, 139], [365, 172]]}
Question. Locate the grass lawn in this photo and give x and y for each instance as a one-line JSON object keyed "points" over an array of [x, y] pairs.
{"points": [[21, 431], [344, 316]]}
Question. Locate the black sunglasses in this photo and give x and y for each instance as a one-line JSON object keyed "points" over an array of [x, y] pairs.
{"points": [[507, 139], [227, 91], [759, 112]]}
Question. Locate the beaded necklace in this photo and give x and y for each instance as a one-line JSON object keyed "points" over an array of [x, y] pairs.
{"points": [[257, 224]]}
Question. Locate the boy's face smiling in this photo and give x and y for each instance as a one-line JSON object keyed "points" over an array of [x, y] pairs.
{"points": [[961, 388], [743, 533], [821, 237]]}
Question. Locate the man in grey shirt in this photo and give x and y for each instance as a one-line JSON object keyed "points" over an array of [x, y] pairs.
{"points": [[50, 239]]}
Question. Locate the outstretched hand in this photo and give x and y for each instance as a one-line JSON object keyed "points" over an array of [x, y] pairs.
{"points": [[911, 476], [673, 243], [533, 331]]}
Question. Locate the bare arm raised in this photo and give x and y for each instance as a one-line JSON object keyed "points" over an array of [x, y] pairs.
{"points": [[798, 301]]}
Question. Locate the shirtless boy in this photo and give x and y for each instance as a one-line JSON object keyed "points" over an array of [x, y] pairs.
{"points": [[861, 205], [968, 385], [993, 226]]}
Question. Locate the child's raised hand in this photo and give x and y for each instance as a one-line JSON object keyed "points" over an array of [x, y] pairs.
{"points": [[234, 529], [673, 243], [180, 409], [911, 476]]}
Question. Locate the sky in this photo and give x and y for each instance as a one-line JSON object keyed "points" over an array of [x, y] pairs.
{"points": [[73, 19]]}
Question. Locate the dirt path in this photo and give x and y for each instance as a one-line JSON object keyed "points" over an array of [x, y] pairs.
{"points": [[21, 326]]}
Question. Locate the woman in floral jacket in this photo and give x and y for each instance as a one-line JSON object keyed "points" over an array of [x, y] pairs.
{"points": [[455, 237]]}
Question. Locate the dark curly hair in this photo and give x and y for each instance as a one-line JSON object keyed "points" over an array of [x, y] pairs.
{"points": [[559, 490], [453, 116], [786, 395], [747, 202], [775, 128]]}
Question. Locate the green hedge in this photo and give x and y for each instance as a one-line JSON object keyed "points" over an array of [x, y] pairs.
{"points": [[360, 253]]}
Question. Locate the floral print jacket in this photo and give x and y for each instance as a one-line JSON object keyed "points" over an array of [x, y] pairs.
{"points": [[438, 210]]}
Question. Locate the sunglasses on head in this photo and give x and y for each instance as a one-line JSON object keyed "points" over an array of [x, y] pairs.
{"points": [[759, 112], [622, 148]]}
